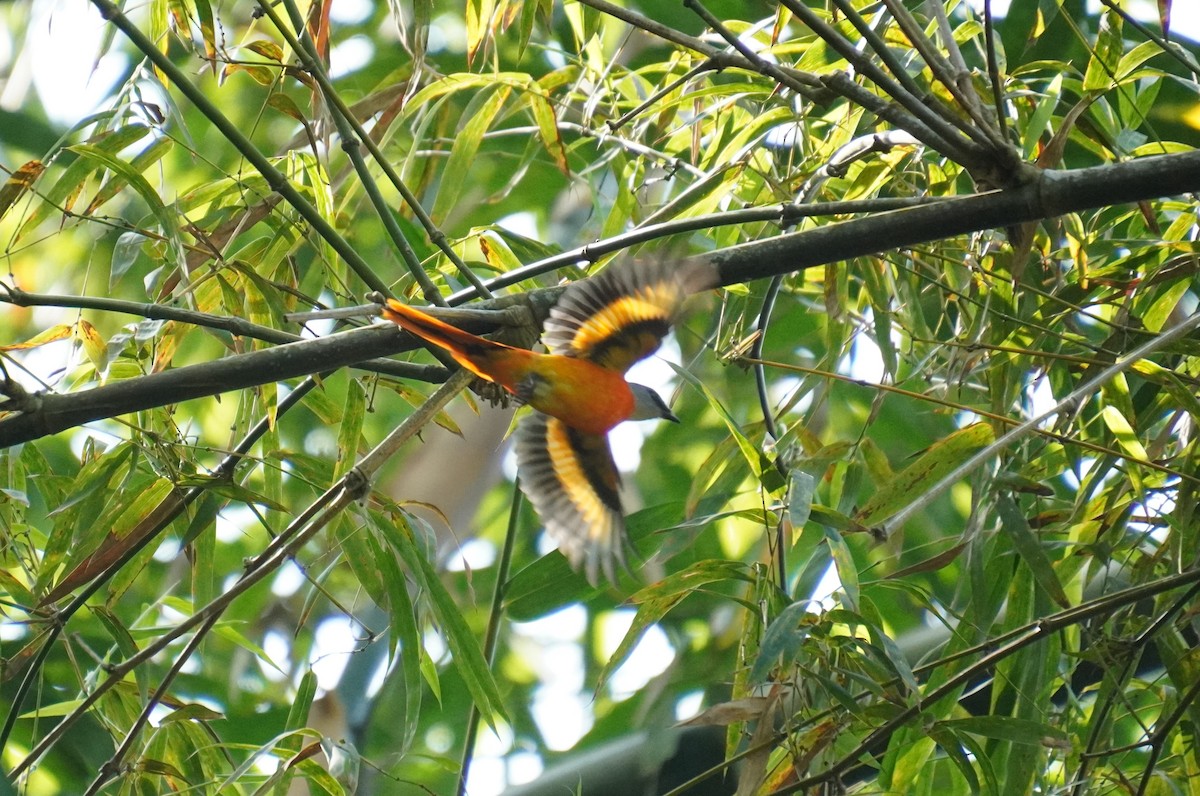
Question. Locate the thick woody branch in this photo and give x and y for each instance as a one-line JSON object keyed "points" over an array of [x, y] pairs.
{"points": [[1047, 194], [41, 414]]}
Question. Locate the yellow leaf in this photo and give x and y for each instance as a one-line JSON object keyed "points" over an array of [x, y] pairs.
{"points": [[93, 344], [61, 331], [21, 181]]}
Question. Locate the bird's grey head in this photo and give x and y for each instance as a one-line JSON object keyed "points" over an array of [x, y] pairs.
{"points": [[648, 405]]}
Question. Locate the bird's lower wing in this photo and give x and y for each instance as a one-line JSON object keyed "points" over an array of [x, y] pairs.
{"points": [[572, 482]]}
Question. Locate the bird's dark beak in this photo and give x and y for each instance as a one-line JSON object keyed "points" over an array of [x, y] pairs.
{"points": [[670, 416]]}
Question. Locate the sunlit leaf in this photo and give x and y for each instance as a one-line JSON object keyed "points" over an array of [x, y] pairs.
{"points": [[930, 467], [93, 344], [19, 183], [61, 331]]}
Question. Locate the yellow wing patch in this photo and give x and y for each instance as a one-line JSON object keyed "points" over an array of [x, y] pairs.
{"points": [[620, 316], [577, 470], [571, 480], [628, 324]]}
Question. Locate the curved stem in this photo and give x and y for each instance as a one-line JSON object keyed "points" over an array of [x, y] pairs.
{"points": [[493, 629]]}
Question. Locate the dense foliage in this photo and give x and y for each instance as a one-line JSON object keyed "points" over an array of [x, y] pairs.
{"points": [[928, 522]]}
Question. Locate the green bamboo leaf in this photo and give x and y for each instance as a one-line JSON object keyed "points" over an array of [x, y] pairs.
{"points": [[882, 295], [63, 190], [405, 636], [87, 497], [306, 691], [525, 26], [204, 15], [235, 492], [1106, 55], [950, 744], [1154, 372], [878, 467], [929, 468], [750, 453], [496, 251], [353, 539], [907, 765], [1043, 112], [234, 636], [1128, 66], [204, 549], [982, 755], [450, 84], [719, 476], [782, 640], [1125, 435], [1007, 728], [287, 106], [192, 712], [354, 412], [800, 501], [468, 657], [454, 177], [846, 569], [543, 114], [656, 600], [1156, 317], [1027, 545], [139, 162], [886, 646], [125, 644], [54, 710], [292, 741], [168, 220], [16, 589]]}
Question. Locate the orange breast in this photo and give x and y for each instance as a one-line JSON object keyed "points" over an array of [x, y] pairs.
{"points": [[582, 394]]}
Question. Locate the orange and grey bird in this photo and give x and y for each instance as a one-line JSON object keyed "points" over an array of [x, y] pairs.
{"points": [[596, 331]]}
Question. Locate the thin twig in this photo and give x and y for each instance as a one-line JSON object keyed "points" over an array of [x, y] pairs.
{"points": [[1169, 47], [920, 93], [1162, 731], [993, 61], [275, 179], [1084, 390], [492, 634], [993, 651], [971, 152], [941, 68], [803, 83], [759, 64], [350, 487], [961, 407], [785, 214], [362, 137], [225, 470], [707, 65]]}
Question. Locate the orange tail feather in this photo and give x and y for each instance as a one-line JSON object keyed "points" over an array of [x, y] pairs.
{"points": [[485, 358]]}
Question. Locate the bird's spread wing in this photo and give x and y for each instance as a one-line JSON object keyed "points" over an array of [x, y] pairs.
{"points": [[620, 316], [572, 482]]}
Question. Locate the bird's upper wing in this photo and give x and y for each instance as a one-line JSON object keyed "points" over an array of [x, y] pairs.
{"points": [[572, 482], [620, 316]]}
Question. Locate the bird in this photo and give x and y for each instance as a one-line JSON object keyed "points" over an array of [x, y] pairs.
{"points": [[599, 328]]}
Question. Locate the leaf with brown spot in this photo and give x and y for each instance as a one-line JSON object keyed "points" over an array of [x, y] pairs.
{"points": [[21, 181]]}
